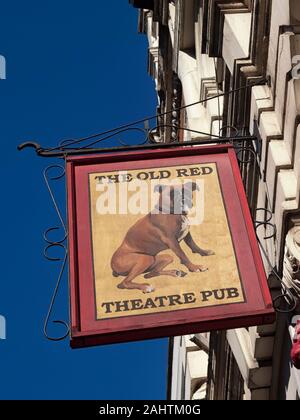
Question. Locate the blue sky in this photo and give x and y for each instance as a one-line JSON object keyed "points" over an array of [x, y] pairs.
{"points": [[73, 68]]}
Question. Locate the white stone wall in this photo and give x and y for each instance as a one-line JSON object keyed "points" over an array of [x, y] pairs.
{"points": [[275, 112], [189, 369]]}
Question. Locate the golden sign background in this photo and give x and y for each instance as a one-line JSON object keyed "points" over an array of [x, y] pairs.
{"points": [[109, 230]]}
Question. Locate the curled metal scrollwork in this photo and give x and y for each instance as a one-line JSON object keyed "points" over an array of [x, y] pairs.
{"points": [[150, 137], [55, 244], [285, 299], [92, 141], [245, 155], [229, 127], [286, 302], [266, 223], [189, 130]]}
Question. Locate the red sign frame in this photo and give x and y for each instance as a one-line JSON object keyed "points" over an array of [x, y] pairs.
{"points": [[86, 329]]}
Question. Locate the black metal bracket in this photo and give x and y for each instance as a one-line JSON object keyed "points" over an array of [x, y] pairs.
{"points": [[58, 245], [65, 151]]}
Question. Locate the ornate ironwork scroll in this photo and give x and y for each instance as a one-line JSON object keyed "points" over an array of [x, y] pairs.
{"points": [[58, 245], [287, 300]]}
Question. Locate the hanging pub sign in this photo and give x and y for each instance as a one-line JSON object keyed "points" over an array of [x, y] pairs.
{"points": [[161, 244]]}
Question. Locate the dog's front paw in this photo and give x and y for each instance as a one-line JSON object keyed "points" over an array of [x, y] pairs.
{"points": [[195, 268], [206, 252], [148, 288]]}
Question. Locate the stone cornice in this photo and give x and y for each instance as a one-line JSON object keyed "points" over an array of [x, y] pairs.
{"points": [[214, 12]]}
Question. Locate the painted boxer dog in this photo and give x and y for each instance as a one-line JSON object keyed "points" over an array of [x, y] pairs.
{"points": [[159, 230]]}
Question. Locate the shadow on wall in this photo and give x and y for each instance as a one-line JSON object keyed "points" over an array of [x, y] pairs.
{"points": [[294, 12]]}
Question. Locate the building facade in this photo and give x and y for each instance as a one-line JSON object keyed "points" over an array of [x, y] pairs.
{"points": [[238, 61]]}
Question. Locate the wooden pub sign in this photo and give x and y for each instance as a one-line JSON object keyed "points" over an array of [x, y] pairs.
{"points": [[161, 243]]}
